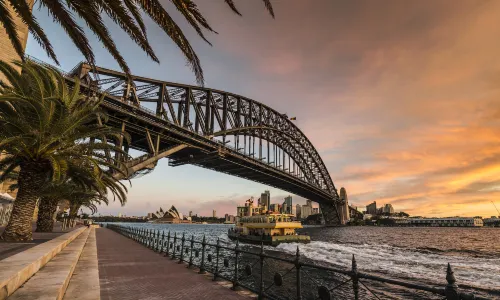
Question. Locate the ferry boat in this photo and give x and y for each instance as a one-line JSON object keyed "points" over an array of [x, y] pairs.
{"points": [[268, 229]]}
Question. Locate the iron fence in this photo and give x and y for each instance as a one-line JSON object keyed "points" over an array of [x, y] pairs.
{"points": [[275, 276]]}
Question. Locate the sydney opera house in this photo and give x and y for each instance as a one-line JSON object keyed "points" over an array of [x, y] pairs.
{"points": [[170, 216]]}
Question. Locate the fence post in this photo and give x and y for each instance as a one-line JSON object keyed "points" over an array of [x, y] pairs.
{"points": [[236, 254], [153, 239], [261, 283], [182, 249], [157, 241], [168, 244], [202, 266], [216, 260], [191, 255], [175, 242], [297, 266], [162, 242], [451, 291], [355, 279]]}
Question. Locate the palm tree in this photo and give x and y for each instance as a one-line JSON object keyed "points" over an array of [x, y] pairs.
{"points": [[49, 132], [86, 198], [124, 13], [81, 188], [80, 181]]}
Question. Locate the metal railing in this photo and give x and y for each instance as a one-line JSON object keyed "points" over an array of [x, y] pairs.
{"points": [[277, 276]]}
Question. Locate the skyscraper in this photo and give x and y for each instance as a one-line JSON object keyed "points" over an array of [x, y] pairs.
{"points": [[372, 208], [388, 209], [214, 213], [288, 202], [297, 211], [265, 199], [274, 207], [306, 210]]}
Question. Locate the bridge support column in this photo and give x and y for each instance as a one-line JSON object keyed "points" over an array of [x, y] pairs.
{"points": [[146, 162], [333, 213]]}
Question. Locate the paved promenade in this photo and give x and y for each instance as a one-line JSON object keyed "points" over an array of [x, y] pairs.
{"points": [[128, 270]]}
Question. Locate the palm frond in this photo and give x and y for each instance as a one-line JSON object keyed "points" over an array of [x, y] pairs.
{"points": [[269, 7], [192, 14], [62, 16], [47, 123], [231, 5], [134, 10], [89, 12], [155, 10], [10, 28], [24, 11], [120, 15]]}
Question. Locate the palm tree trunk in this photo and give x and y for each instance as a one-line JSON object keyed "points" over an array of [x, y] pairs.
{"points": [[73, 212], [46, 210], [31, 177]]}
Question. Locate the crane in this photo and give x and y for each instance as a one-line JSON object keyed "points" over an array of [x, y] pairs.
{"points": [[495, 208]]}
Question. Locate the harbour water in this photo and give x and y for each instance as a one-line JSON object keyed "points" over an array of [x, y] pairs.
{"points": [[416, 254]]}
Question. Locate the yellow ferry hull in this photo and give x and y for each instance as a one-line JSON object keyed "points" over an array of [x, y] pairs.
{"points": [[269, 240]]}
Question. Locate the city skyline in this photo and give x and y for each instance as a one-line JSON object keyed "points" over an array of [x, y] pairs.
{"points": [[418, 131]]}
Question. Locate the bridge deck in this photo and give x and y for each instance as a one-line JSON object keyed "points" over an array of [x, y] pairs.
{"points": [[233, 163], [128, 270]]}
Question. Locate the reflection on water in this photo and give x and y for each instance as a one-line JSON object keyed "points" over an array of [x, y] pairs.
{"points": [[420, 254]]}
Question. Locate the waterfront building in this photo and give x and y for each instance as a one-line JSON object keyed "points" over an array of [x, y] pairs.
{"points": [[401, 221], [289, 205], [447, 222], [170, 216], [315, 210], [306, 210], [493, 221], [388, 209], [367, 216], [214, 213], [297, 211], [265, 199], [371, 209], [274, 207], [190, 213], [229, 219]]}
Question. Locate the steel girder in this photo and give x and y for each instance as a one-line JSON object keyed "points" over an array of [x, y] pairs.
{"points": [[255, 136]]}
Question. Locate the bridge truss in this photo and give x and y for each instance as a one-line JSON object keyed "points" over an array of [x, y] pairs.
{"points": [[212, 129]]}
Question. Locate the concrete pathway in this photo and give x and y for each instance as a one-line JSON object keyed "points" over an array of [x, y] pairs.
{"points": [[128, 270]]}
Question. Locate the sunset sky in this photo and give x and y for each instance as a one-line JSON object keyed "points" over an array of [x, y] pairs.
{"points": [[400, 98]]}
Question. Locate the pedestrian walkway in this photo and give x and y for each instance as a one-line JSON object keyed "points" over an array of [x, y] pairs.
{"points": [[128, 270]]}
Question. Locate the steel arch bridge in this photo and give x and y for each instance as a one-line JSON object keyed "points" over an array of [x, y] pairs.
{"points": [[213, 129]]}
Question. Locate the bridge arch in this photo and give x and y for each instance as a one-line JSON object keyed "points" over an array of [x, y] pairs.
{"points": [[211, 119]]}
